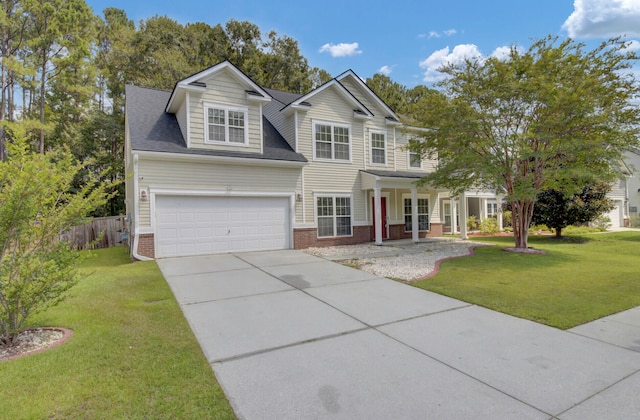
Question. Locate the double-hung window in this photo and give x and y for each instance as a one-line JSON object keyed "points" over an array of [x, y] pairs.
{"points": [[331, 141], [378, 149], [492, 209], [224, 124], [414, 160], [423, 214], [333, 215]]}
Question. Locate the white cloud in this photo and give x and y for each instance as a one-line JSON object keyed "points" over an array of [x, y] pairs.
{"points": [[503, 53], [634, 45], [341, 49], [443, 57], [603, 18], [386, 70], [436, 34]]}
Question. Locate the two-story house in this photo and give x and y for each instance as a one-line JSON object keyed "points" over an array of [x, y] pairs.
{"points": [[221, 164]]}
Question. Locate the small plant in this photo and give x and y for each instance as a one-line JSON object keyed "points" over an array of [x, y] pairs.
{"points": [[472, 223], [602, 223], [506, 218], [489, 226], [634, 222]]}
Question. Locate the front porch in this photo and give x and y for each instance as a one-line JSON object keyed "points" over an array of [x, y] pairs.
{"points": [[397, 208]]}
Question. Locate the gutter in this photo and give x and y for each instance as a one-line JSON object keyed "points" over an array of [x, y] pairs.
{"points": [[136, 211]]}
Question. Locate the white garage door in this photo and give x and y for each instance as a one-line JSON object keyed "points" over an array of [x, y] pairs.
{"points": [[187, 225], [614, 215]]}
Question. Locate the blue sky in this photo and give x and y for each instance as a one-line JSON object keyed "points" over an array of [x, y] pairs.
{"points": [[407, 40]]}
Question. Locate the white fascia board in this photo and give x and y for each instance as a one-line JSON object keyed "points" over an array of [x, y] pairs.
{"points": [[374, 97], [219, 159]]}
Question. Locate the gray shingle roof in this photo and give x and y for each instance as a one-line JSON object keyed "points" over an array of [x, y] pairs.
{"points": [[395, 174], [154, 130]]}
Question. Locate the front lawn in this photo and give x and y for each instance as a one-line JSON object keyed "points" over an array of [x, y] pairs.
{"points": [[579, 279], [132, 354]]}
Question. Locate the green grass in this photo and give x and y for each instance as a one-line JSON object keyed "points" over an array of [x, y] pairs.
{"points": [[132, 354], [579, 279]]}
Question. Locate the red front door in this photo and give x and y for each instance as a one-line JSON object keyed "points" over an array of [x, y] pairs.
{"points": [[383, 204]]}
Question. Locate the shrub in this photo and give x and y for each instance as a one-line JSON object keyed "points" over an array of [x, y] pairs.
{"points": [[506, 218], [36, 204], [472, 223], [489, 226]]}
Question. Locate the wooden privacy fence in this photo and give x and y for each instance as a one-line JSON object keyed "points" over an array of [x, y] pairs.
{"points": [[79, 237]]}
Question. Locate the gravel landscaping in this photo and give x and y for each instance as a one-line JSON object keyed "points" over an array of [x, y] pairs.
{"points": [[402, 260]]}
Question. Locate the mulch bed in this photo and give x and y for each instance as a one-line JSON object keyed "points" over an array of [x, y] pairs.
{"points": [[35, 340]]}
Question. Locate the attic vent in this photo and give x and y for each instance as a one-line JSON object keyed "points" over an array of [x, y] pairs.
{"points": [[253, 92], [305, 103], [199, 84], [392, 119], [358, 111]]}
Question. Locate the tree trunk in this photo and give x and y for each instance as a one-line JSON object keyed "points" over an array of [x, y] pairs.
{"points": [[522, 213], [558, 232], [42, 92]]}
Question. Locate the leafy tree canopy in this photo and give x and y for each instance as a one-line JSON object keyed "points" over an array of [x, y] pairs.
{"points": [[558, 210], [546, 118]]}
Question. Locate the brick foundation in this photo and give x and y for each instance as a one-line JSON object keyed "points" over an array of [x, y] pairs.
{"points": [[146, 247], [397, 231], [308, 237]]}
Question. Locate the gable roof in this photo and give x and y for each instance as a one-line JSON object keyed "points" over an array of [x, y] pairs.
{"points": [[153, 129], [302, 102], [391, 115], [195, 82]]}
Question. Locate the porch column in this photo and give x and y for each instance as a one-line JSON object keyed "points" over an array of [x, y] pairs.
{"points": [[463, 217], [415, 236], [377, 223], [454, 215], [500, 223]]}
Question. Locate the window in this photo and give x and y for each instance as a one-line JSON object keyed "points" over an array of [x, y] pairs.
{"points": [[492, 209], [414, 160], [225, 125], [334, 216], [378, 150], [423, 214], [331, 142]]}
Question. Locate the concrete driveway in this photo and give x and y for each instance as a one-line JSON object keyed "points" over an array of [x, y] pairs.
{"points": [[293, 336]]}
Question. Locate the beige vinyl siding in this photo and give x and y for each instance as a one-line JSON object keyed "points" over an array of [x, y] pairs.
{"points": [[402, 154], [331, 177], [194, 175], [224, 89], [181, 116], [618, 189]]}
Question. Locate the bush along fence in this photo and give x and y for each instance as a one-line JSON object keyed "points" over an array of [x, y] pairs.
{"points": [[101, 232]]}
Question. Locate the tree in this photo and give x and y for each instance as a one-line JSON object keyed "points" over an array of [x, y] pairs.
{"points": [[36, 205], [392, 93], [540, 119], [61, 36], [557, 210]]}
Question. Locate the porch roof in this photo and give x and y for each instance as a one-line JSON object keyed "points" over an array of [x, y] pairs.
{"points": [[390, 179]]}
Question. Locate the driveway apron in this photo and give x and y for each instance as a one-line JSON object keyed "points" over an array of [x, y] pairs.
{"points": [[291, 336]]}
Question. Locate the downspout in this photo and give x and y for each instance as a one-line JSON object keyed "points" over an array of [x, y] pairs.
{"points": [[136, 211]]}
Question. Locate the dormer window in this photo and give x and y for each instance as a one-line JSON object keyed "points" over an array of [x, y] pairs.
{"points": [[225, 124]]}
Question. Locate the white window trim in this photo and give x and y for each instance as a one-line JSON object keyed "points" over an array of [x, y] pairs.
{"points": [[409, 167], [207, 105], [332, 125], [335, 225], [386, 159], [424, 196]]}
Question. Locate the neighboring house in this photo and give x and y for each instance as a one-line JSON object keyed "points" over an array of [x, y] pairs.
{"points": [[221, 164], [633, 185]]}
